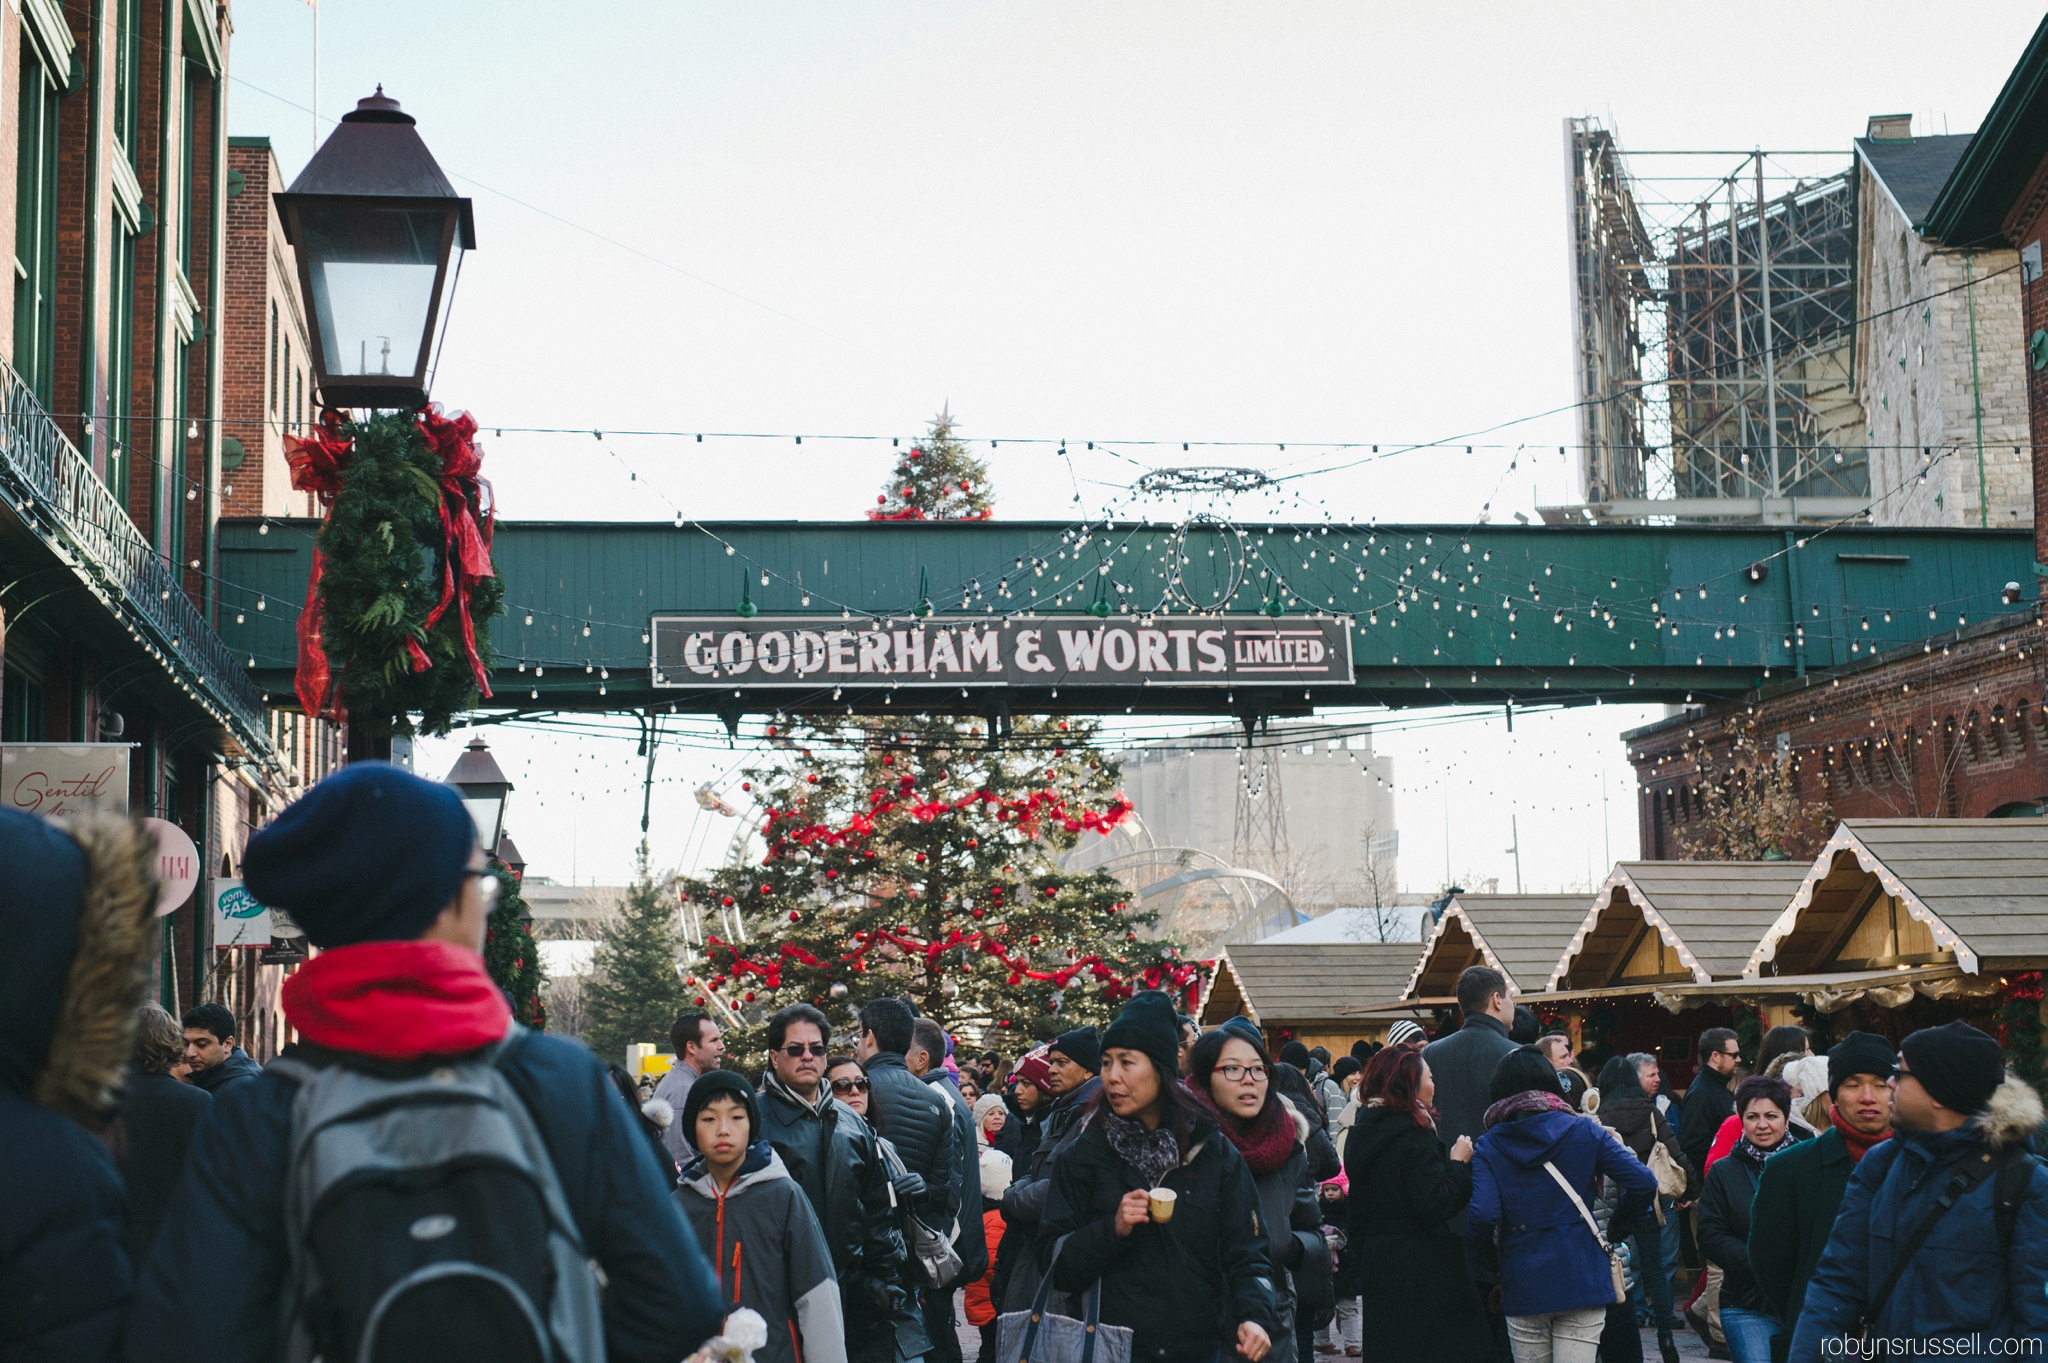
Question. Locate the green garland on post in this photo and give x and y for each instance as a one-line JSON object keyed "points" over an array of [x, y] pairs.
{"points": [[511, 954], [402, 492]]}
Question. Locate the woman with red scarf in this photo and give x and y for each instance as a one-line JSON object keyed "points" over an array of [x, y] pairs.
{"points": [[1232, 1078]]}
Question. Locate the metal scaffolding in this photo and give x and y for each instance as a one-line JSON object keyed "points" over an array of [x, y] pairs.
{"points": [[1714, 301]]}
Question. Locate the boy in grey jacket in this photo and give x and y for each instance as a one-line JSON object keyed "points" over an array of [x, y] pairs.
{"points": [[757, 1226]]}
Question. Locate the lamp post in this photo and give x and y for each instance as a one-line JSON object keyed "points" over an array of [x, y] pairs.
{"points": [[508, 855], [375, 226], [477, 777]]}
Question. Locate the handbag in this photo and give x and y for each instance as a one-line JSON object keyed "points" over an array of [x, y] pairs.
{"points": [[1615, 1265], [1039, 1336], [1670, 1176]]}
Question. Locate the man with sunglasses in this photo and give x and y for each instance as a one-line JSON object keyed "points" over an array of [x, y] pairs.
{"points": [[830, 1152]]}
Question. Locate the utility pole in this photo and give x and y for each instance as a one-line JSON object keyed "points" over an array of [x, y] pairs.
{"points": [[314, 5], [1515, 827], [1606, 832], [1763, 266]]}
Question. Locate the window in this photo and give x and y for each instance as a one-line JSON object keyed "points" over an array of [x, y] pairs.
{"points": [[35, 228], [121, 362], [128, 76], [188, 137], [273, 357], [287, 424], [21, 709]]}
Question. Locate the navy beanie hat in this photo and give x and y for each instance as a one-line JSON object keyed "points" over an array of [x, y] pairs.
{"points": [[1081, 1047], [1149, 1023], [1959, 1065], [1245, 1027], [721, 1084], [371, 854]]}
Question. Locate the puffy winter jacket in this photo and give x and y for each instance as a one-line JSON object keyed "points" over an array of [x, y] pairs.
{"points": [[1018, 1276], [1550, 1260], [150, 1142], [830, 1153], [1960, 1282], [770, 1255], [237, 1068], [919, 1122], [1184, 1287], [210, 1291], [64, 1281]]}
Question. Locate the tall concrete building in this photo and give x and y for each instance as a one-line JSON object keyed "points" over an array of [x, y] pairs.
{"points": [[1314, 813]]}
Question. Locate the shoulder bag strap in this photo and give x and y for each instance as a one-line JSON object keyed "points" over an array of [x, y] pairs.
{"points": [[1038, 1304], [1959, 1183], [2009, 1192], [1577, 1201]]}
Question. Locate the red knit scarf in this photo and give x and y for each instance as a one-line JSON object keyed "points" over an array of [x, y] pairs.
{"points": [[1267, 1142], [397, 1000], [1858, 1143]]}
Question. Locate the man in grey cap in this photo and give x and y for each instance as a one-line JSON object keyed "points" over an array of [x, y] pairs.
{"points": [[1942, 1238], [1075, 1058]]}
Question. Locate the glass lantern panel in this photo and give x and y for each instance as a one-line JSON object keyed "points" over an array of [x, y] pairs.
{"points": [[485, 813], [373, 283]]}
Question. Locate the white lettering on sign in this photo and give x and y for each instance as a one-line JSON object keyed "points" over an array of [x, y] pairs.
{"points": [[794, 652]]}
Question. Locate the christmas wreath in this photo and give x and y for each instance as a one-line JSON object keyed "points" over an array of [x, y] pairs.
{"points": [[399, 603]]}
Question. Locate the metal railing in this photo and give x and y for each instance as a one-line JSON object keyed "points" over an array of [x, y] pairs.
{"points": [[57, 494]]}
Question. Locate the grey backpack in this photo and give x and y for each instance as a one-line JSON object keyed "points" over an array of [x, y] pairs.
{"points": [[425, 1222]]}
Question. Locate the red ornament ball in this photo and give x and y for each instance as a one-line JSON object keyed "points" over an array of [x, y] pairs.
{"points": [[812, 778], [794, 916], [888, 759], [976, 912], [831, 875], [728, 901], [881, 501], [749, 785]]}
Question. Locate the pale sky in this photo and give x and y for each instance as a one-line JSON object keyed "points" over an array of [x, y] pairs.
{"points": [[1127, 222]]}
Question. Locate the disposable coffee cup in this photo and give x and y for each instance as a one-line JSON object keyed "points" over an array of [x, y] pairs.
{"points": [[1160, 1203]]}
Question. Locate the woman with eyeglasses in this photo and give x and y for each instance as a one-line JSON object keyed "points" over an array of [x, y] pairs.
{"points": [[1417, 1302], [1231, 1077], [848, 1083]]}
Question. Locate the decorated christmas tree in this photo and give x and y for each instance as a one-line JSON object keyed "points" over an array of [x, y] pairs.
{"points": [[936, 480], [512, 956], [634, 993], [911, 856]]}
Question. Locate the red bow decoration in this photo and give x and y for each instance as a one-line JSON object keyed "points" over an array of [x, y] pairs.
{"points": [[317, 463], [466, 545]]}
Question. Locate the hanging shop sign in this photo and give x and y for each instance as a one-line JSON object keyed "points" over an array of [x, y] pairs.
{"points": [[177, 864], [239, 918], [55, 779], [806, 652]]}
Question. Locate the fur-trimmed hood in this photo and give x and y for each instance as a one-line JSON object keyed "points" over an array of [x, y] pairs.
{"points": [[77, 902], [2012, 1116]]}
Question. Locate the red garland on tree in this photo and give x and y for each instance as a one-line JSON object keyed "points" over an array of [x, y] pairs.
{"points": [[936, 481]]}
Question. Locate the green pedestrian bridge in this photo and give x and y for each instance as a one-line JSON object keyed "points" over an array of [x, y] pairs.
{"points": [[1198, 618]]}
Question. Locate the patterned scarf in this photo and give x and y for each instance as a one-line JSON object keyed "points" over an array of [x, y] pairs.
{"points": [[1754, 1155], [1527, 1103], [1150, 1153]]}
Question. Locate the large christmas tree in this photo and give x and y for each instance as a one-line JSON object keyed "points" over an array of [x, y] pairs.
{"points": [[936, 480], [910, 856], [634, 993]]}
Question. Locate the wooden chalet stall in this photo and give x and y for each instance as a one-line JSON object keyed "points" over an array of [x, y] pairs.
{"points": [[1640, 972], [1520, 935], [1294, 991], [1906, 923]]}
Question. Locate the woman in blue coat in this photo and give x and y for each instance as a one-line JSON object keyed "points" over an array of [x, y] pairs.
{"points": [[1533, 1172]]}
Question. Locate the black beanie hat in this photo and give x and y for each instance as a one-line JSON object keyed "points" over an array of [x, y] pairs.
{"points": [[371, 854], [1080, 1046], [1958, 1065], [721, 1084], [1346, 1066], [1523, 1070], [1295, 1054], [1860, 1053], [1148, 1023]]}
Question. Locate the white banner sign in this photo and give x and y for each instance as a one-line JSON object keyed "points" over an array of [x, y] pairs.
{"points": [[177, 864], [53, 779], [238, 919]]}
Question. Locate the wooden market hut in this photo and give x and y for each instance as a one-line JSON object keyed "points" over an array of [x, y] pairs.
{"points": [[1520, 935], [1901, 923], [1293, 991], [1657, 932]]}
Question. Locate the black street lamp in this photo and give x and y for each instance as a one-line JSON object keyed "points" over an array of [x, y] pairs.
{"points": [[508, 853], [483, 787], [375, 224]]}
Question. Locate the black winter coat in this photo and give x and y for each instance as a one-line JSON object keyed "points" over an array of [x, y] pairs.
{"points": [[158, 1115], [1632, 1115], [237, 1068], [1708, 1103], [1184, 1287], [210, 1290], [1405, 1188], [1723, 1228], [830, 1153], [1017, 1274], [919, 1122], [64, 1280], [1462, 1065]]}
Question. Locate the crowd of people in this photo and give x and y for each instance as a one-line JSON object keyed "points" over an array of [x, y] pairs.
{"points": [[417, 1177]]}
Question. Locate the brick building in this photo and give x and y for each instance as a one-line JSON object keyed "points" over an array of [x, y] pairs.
{"points": [[117, 348], [1955, 726], [1939, 370], [265, 377]]}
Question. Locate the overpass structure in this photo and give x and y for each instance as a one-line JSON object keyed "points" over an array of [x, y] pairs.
{"points": [[739, 617]]}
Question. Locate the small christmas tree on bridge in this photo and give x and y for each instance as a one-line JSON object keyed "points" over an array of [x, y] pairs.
{"points": [[936, 480]]}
